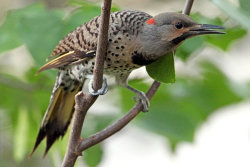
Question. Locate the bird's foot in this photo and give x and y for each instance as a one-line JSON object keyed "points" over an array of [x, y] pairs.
{"points": [[144, 100], [101, 91]]}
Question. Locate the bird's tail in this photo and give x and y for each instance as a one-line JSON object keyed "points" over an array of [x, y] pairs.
{"points": [[58, 115]]}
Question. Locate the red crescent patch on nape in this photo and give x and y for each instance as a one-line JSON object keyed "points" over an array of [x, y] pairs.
{"points": [[151, 21]]}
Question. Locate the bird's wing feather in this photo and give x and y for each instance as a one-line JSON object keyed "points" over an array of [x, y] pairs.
{"points": [[68, 58]]}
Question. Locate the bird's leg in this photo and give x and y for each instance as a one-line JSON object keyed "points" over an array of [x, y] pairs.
{"points": [[101, 91], [141, 96]]}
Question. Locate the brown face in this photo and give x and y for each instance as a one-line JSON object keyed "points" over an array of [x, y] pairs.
{"points": [[175, 27], [182, 32]]}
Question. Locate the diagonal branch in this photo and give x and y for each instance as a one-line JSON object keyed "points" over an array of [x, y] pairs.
{"points": [[115, 127]]}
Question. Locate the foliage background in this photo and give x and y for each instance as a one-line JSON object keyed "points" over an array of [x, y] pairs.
{"points": [[28, 35]]}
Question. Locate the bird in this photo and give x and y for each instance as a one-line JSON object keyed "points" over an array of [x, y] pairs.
{"points": [[135, 39]]}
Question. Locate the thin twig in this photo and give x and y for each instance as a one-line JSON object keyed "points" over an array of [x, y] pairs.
{"points": [[102, 45], [188, 6]]}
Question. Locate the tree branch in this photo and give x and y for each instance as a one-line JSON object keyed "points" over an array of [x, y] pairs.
{"points": [[115, 127], [188, 6], [84, 102], [102, 45]]}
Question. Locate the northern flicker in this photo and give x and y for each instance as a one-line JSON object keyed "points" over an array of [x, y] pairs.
{"points": [[135, 39]]}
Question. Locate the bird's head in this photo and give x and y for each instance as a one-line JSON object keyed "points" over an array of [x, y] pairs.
{"points": [[169, 30]]}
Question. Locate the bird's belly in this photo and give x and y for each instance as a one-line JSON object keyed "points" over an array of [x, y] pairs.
{"points": [[79, 71], [117, 64]]}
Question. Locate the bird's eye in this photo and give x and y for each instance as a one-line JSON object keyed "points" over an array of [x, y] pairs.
{"points": [[178, 25]]}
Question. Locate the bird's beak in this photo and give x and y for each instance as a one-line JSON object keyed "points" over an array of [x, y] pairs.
{"points": [[201, 29]]}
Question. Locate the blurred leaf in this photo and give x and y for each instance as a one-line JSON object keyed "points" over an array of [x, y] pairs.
{"points": [[21, 135], [82, 14], [189, 46], [34, 26], [224, 41], [95, 123], [177, 110], [34, 98], [245, 5], [8, 36], [92, 6], [199, 18], [115, 8], [220, 41], [93, 155], [238, 14], [37, 28], [162, 70], [85, 12]]}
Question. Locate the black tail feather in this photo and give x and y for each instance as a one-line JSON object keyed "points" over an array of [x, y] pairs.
{"points": [[57, 117]]}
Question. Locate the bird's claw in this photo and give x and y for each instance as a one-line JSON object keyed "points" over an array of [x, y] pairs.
{"points": [[101, 91], [144, 100]]}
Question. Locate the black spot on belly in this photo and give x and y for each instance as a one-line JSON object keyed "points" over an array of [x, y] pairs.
{"points": [[139, 59]]}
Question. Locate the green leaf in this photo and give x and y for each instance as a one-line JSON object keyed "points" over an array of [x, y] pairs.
{"points": [[163, 69], [198, 17], [40, 31], [34, 26], [93, 7], [95, 123], [189, 46], [93, 155], [177, 110], [223, 41], [84, 13], [9, 38], [245, 5], [21, 135], [238, 14]]}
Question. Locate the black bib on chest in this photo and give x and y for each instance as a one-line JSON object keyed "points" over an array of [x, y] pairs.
{"points": [[141, 60]]}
